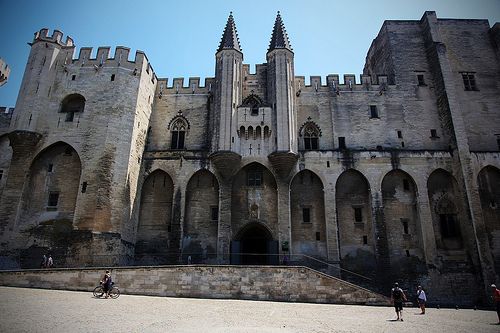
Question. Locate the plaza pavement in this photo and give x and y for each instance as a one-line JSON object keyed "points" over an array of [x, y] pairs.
{"points": [[41, 310]]}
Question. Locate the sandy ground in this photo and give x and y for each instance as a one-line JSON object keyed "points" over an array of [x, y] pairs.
{"points": [[40, 310]]}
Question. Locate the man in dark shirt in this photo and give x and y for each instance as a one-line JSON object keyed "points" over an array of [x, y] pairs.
{"points": [[397, 296]]}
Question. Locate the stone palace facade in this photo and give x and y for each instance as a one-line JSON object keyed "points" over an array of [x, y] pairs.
{"points": [[393, 175]]}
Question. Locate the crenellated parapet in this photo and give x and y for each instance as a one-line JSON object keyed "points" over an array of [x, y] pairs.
{"points": [[103, 58], [178, 86], [57, 35], [365, 83]]}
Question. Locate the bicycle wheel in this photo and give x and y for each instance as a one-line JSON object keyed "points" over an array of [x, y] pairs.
{"points": [[114, 292], [98, 291]]}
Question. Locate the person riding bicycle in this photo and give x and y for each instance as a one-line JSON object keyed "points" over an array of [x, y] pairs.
{"points": [[106, 283]]}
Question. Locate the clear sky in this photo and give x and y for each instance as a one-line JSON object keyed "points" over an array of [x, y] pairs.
{"points": [[180, 37]]}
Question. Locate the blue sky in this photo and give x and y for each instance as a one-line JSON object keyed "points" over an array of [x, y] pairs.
{"points": [[180, 37]]}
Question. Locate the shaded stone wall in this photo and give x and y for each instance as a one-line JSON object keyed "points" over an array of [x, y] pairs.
{"points": [[291, 284]]}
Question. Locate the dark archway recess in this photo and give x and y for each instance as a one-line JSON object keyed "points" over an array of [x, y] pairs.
{"points": [[254, 245]]}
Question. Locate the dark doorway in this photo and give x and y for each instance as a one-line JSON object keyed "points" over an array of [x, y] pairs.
{"points": [[255, 245]]}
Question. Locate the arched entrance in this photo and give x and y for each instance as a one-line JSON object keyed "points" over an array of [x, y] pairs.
{"points": [[254, 245]]}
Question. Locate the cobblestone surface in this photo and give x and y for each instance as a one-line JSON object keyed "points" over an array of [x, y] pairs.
{"points": [[41, 310]]}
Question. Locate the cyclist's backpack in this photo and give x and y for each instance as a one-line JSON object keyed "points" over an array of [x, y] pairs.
{"points": [[397, 294]]}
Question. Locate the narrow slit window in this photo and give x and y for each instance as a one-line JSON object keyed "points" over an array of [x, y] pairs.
{"points": [[306, 215], [358, 215], [342, 143], [373, 111]]}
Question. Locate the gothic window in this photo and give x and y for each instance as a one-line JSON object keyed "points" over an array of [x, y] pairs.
{"points": [[72, 104], [254, 177], [254, 102], [178, 129], [311, 135]]}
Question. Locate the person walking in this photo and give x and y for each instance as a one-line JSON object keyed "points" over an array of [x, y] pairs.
{"points": [[43, 262], [50, 261], [397, 296], [421, 299], [496, 298]]}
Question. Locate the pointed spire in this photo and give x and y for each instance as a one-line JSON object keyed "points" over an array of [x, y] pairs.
{"points": [[279, 39], [230, 36]]}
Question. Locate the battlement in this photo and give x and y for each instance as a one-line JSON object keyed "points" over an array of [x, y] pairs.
{"points": [[178, 87], [43, 36], [103, 58], [366, 83]]}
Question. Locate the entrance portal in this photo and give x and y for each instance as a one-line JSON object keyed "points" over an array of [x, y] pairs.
{"points": [[254, 245]]}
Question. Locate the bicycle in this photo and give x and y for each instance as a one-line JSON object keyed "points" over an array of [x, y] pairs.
{"points": [[113, 292]]}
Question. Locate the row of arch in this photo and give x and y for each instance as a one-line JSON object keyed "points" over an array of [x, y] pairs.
{"points": [[54, 182]]}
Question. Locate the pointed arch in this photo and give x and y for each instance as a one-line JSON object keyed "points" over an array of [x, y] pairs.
{"points": [[445, 199], [254, 197], [355, 226], [155, 214], [308, 215], [201, 217], [488, 181], [399, 196]]}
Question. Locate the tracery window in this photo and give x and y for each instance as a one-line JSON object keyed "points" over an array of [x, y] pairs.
{"points": [[178, 129], [311, 135]]}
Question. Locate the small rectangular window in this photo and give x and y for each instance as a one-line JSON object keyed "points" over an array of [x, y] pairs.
{"points": [[1, 174], [400, 135], [53, 199], [73, 77], [365, 240], [406, 230], [306, 215], [421, 81], [434, 133], [358, 215], [318, 236], [406, 185], [112, 77], [373, 111], [214, 212], [469, 81], [498, 143], [402, 144], [342, 143], [84, 187], [49, 168]]}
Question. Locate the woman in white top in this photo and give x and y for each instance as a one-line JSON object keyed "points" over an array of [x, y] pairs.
{"points": [[421, 299]]}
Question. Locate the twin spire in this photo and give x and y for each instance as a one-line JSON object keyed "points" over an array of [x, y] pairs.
{"points": [[230, 41]]}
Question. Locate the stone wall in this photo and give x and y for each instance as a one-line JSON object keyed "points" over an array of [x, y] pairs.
{"points": [[292, 284]]}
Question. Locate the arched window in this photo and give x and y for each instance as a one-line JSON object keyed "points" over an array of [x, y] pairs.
{"points": [[72, 104], [254, 102], [311, 135], [178, 129]]}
